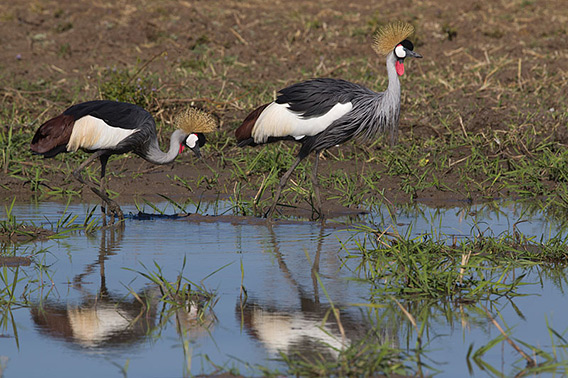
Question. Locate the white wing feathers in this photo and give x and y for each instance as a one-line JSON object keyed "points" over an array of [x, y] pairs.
{"points": [[92, 133], [278, 121]]}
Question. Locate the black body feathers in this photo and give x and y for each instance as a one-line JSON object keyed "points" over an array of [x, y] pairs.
{"points": [[116, 114], [314, 98]]}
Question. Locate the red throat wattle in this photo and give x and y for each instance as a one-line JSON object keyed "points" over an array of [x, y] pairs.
{"points": [[399, 68], [181, 147]]}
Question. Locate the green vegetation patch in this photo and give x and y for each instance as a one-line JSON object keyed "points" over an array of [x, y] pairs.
{"points": [[468, 270]]}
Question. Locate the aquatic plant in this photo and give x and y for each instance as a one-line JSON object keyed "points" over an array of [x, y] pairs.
{"points": [[180, 293]]}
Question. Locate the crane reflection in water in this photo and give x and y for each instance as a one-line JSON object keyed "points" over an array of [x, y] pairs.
{"points": [[109, 319], [312, 329]]}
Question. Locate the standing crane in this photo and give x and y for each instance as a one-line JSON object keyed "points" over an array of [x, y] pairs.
{"points": [[322, 113], [108, 128]]}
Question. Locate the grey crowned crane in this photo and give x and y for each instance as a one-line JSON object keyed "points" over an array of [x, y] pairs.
{"points": [[322, 113], [107, 128]]}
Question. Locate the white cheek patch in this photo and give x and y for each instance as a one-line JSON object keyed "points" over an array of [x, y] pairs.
{"points": [[191, 140], [399, 52]]}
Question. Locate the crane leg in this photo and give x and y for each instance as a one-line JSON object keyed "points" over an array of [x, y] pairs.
{"points": [[315, 183], [79, 169], [102, 189], [283, 182], [112, 206]]}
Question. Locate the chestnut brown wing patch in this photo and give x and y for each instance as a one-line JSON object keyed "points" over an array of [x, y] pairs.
{"points": [[244, 132], [53, 135]]}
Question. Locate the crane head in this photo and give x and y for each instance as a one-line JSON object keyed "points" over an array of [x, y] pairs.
{"points": [[403, 50], [194, 123], [193, 141], [393, 38]]}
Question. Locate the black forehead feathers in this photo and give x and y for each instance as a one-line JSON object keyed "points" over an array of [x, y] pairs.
{"points": [[201, 139], [407, 45]]}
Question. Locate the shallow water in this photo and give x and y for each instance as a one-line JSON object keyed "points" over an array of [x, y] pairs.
{"points": [[85, 322]]}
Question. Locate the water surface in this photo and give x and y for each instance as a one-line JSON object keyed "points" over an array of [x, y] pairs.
{"points": [[86, 321]]}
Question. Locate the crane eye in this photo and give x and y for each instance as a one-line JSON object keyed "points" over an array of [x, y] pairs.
{"points": [[400, 52], [191, 140]]}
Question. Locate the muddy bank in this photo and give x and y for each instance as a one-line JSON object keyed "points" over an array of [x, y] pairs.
{"points": [[131, 179], [475, 81]]}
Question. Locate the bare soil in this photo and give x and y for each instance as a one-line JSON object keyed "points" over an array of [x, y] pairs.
{"points": [[487, 65]]}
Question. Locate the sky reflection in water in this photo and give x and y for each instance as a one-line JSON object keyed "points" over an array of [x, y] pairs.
{"points": [[89, 324]]}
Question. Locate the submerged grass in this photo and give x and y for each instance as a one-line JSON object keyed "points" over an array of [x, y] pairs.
{"points": [[8, 300], [464, 271], [181, 293], [18, 284], [433, 278], [367, 357], [14, 231], [536, 361]]}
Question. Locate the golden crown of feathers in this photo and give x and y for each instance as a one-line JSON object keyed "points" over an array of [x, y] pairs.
{"points": [[195, 121], [388, 36]]}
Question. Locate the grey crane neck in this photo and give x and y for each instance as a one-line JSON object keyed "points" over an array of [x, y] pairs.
{"points": [[392, 94], [157, 156]]}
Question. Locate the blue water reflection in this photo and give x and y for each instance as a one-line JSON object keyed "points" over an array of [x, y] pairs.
{"points": [[85, 322]]}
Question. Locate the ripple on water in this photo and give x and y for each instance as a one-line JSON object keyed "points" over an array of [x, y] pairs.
{"points": [[90, 323]]}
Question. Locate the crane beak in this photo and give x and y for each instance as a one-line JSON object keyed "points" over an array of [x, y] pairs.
{"points": [[196, 151], [410, 53]]}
